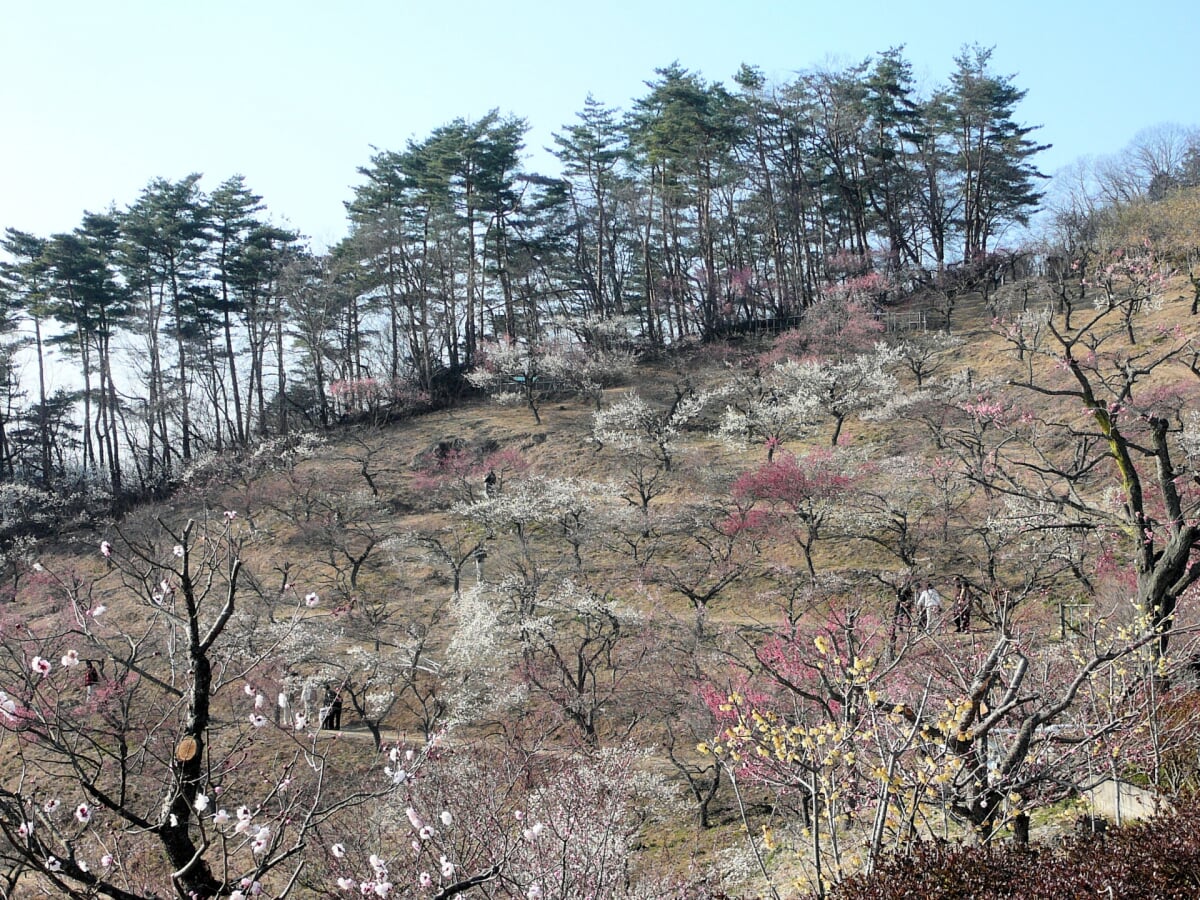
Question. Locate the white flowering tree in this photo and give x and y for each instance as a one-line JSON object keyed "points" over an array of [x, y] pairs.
{"points": [[582, 652], [792, 398], [711, 550], [543, 516], [515, 373], [645, 440], [925, 353], [764, 408], [841, 388], [144, 757], [452, 549], [500, 822], [190, 763]]}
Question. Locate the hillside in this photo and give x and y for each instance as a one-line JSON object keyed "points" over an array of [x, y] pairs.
{"points": [[679, 633]]}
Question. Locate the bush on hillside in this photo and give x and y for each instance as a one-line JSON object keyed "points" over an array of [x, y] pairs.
{"points": [[1154, 860]]}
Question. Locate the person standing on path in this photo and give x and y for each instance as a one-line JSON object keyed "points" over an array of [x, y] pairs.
{"points": [[90, 677], [962, 605]]}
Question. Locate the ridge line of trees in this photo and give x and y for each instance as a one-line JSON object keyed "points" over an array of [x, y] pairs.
{"points": [[197, 325]]}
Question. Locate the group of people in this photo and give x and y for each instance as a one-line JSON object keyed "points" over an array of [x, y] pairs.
{"points": [[331, 710], [918, 602], [329, 713]]}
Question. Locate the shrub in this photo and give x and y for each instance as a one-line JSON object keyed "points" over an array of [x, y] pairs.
{"points": [[1154, 860]]}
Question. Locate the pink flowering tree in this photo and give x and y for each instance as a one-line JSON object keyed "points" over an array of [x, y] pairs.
{"points": [[455, 473], [844, 321], [1129, 280], [1112, 448], [376, 400], [800, 496]]}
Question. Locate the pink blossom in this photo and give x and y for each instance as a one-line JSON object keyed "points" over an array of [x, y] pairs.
{"points": [[106, 860], [40, 666], [346, 884], [424, 880], [82, 813], [105, 549]]}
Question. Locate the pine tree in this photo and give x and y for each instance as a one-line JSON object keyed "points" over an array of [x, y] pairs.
{"points": [[992, 154]]}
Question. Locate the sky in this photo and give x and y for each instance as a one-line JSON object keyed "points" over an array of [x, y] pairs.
{"points": [[97, 98]]}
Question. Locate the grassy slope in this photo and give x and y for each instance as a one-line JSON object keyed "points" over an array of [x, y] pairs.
{"points": [[330, 492]]}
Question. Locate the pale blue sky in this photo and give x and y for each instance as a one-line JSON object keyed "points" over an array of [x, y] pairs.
{"points": [[99, 97]]}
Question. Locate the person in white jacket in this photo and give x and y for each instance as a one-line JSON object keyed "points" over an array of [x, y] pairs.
{"points": [[929, 606]]}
